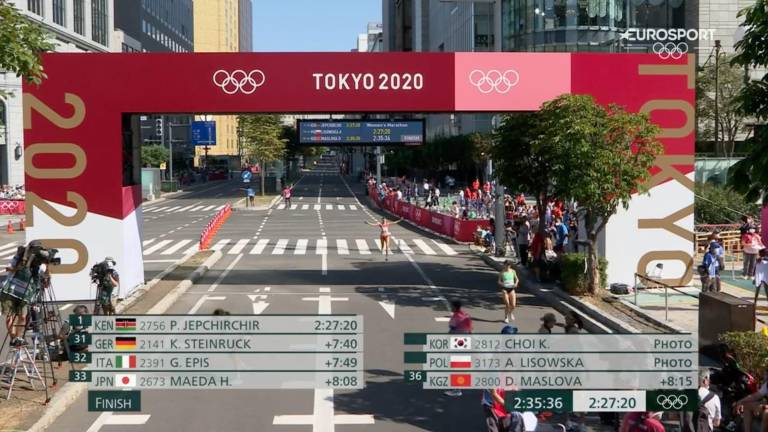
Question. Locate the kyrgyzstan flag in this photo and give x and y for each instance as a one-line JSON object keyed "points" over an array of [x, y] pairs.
{"points": [[125, 362], [461, 362], [461, 380]]}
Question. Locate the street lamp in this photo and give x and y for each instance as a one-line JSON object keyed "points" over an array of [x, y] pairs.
{"points": [[208, 119], [717, 94]]}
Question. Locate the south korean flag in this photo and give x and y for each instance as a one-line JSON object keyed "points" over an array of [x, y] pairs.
{"points": [[461, 343]]}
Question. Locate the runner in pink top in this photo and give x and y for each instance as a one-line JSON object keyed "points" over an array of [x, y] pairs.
{"points": [[385, 234], [287, 191]]}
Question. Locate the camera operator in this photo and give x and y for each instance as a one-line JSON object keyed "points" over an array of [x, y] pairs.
{"points": [[105, 276], [28, 276]]}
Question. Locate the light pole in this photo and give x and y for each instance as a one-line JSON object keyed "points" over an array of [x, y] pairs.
{"points": [[208, 119], [717, 95]]}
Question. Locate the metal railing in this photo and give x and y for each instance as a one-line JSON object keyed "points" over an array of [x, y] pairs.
{"points": [[653, 283]]}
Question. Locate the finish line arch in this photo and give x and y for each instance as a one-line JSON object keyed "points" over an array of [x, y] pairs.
{"points": [[83, 190]]}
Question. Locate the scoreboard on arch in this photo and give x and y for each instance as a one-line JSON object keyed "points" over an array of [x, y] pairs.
{"points": [[361, 132]]}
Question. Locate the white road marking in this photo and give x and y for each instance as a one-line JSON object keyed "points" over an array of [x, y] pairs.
{"points": [[7, 246], [294, 206], [280, 247], [259, 247], [172, 209], [225, 273], [186, 208], [341, 247], [267, 289], [127, 419], [146, 242], [421, 244], [305, 206], [389, 307], [221, 244], [281, 207], [238, 247], [202, 300], [445, 248], [403, 245], [157, 247], [317, 206], [61, 308], [175, 247], [340, 207], [352, 207], [322, 247], [324, 264], [220, 207], [198, 208], [362, 247], [329, 206], [442, 319], [301, 247], [259, 307], [209, 208], [194, 248], [324, 290], [160, 261]]}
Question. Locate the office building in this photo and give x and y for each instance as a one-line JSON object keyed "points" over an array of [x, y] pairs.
{"points": [[73, 26], [218, 26], [245, 25], [372, 40]]}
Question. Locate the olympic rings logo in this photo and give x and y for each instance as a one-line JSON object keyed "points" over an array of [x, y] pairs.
{"points": [[672, 401], [670, 50], [239, 81], [494, 80]]}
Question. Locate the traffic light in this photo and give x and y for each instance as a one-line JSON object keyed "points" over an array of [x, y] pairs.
{"points": [[159, 127]]}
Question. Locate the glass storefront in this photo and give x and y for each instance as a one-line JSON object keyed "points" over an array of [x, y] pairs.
{"points": [[582, 25]]}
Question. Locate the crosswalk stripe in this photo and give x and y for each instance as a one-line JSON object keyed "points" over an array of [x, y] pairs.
{"points": [[238, 247], [340, 207], [154, 209], [305, 207], [259, 247], [171, 209], [209, 208], [301, 247], [362, 247], [280, 247], [403, 245], [198, 208], [352, 207], [317, 207], [341, 247], [194, 248], [329, 206], [220, 207], [322, 247], [185, 208], [175, 247], [421, 244], [445, 248], [157, 247], [146, 242], [220, 245], [294, 206], [281, 207], [7, 246]]}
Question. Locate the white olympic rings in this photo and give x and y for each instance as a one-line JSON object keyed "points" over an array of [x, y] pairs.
{"points": [[670, 50], [494, 80], [239, 80], [672, 401]]}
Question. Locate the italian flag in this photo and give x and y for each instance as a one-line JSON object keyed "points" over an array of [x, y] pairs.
{"points": [[461, 362], [125, 362]]}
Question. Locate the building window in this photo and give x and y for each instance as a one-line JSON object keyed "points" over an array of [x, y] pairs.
{"points": [[35, 6], [99, 21], [59, 12], [78, 9]]}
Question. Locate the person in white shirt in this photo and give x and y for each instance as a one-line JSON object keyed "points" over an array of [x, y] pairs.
{"points": [[761, 274], [710, 404]]}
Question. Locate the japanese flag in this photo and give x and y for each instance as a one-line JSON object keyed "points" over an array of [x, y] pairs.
{"points": [[125, 380], [461, 343]]}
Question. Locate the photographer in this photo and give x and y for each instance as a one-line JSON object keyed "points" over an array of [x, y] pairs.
{"points": [[106, 279]]}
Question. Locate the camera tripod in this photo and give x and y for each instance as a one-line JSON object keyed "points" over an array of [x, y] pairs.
{"points": [[44, 321]]}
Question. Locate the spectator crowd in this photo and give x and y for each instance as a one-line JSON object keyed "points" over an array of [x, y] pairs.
{"points": [[8, 192]]}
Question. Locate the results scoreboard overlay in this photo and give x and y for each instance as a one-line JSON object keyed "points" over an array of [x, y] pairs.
{"points": [[361, 132], [219, 352], [627, 372]]}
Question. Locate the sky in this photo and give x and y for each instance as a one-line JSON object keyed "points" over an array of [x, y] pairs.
{"points": [[311, 25]]}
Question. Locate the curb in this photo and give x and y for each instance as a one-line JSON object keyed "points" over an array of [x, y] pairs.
{"points": [[656, 321], [69, 392]]}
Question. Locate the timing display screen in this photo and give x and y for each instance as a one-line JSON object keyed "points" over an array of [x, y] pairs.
{"points": [[361, 132]]}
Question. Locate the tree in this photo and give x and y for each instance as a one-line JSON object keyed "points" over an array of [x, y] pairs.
{"points": [[716, 204], [750, 175], [261, 137], [154, 155], [21, 43], [731, 120], [600, 156], [519, 163]]}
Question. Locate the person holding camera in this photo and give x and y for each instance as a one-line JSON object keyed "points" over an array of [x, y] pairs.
{"points": [[106, 278]]}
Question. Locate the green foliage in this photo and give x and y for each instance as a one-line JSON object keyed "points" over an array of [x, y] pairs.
{"points": [[21, 43], [464, 152], [573, 275], [751, 350], [716, 204], [154, 155], [261, 135], [517, 159], [730, 83], [749, 176]]}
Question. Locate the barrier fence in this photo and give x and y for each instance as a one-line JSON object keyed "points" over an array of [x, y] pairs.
{"points": [[447, 225], [12, 207], [213, 226]]}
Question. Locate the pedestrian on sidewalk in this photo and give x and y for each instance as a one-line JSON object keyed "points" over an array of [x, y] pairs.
{"points": [[573, 323], [524, 239], [708, 415], [460, 323], [752, 245], [287, 191], [761, 274], [548, 322], [508, 282], [710, 270]]}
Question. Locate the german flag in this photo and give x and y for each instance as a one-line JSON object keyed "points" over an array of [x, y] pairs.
{"points": [[125, 324], [125, 343]]}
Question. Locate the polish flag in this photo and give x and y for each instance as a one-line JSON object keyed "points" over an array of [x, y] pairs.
{"points": [[461, 362]]}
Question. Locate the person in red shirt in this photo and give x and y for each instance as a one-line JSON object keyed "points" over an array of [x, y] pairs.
{"points": [[476, 185], [642, 422]]}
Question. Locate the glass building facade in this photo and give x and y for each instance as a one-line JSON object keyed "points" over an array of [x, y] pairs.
{"points": [[583, 25]]}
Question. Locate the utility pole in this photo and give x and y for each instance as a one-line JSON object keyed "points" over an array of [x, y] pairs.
{"points": [[378, 165], [717, 95], [170, 146]]}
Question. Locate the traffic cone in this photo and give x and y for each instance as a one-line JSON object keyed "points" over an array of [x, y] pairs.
{"points": [[22, 225], [9, 228]]}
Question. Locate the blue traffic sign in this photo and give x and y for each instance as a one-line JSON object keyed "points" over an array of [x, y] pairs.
{"points": [[247, 175], [203, 133]]}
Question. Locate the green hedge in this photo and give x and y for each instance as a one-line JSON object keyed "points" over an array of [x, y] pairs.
{"points": [[751, 349], [572, 273]]}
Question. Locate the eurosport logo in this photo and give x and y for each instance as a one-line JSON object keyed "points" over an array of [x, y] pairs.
{"points": [[667, 43], [494, 80], [239, 81], [672, 402]]}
